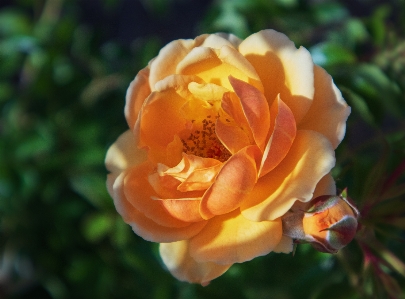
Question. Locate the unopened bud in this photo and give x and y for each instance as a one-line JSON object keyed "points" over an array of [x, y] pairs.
{"points": [[329, 224]]}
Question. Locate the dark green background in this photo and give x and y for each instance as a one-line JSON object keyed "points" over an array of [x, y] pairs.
{"points": [[64, 69]]}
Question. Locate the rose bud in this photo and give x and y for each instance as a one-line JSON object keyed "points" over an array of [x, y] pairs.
{"points": [[329, 224]]}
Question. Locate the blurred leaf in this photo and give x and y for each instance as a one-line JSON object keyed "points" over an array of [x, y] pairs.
{"points": [[93, 188], [14, 22], [327, 12], [358, 103], [97, 226], [381, 92], [377, 24], [394, 192], [328, 54]]}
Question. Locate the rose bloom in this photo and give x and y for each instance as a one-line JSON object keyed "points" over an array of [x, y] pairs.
{"points": [[224, 137]]}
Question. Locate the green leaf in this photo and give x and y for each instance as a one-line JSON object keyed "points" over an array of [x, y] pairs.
{"points": [[14, 22], [328, 54], [97, 226], [93, 188], [359, 104]]}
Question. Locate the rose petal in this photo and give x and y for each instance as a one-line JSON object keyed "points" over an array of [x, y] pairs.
{"points": [[161, 119], [231, 238], [124, 153], [193, 172], [200, 179], [139, 193], [233, 137], [310, 158], [181, 265], [285, 246], [146, 227], [326, 186], [235, 180], [137, 93], [329, 111], [283, 68], [183, 209], [215, 65], [232, 120], [166, 187], [218, 40], [208, 92], [187, 166], [283, 133], [168, 58], [255, 109]]}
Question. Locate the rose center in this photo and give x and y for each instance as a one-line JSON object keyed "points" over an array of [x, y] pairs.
{"points": [[203, 141]]}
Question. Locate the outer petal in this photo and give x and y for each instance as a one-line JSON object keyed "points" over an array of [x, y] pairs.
{"points": [[182, 266], [329, 111], [161, 117], [146, 227], [255, 109], [218, 40], [234, 181], [326, 186], [169, 56], [124, 153], [231, 238], [283, 133], [310, 158], [139, 193], [285, 246], [282, 68], [215, 65], [183, 209], [137, 93]]}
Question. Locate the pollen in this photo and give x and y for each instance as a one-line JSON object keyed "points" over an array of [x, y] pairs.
{"points": [[203, 141]]}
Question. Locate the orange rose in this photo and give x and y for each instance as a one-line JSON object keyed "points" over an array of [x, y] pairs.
{"points": [[224, 137]]}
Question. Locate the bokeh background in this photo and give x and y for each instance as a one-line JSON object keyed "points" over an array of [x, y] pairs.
{"points": [[64, 69]]}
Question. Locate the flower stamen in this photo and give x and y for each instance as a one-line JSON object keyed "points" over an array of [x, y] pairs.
{"points": [[203, 141]]}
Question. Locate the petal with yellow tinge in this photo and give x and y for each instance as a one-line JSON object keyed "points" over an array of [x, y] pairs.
{"points": [[146, 227], [181, 265], [282, 68], [231, 238], [283, 133], [329, 111], [310, 157], [255, 108], [234, 181]]}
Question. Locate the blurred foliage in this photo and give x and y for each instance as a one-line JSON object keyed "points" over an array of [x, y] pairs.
{"points": [[62, 88]]}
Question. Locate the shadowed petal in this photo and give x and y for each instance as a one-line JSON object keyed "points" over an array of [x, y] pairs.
{"points": [[215, 65], [235, 180], [181, 265], [146, 227], [139, 193], [183, 209], [329, 111], [124, 153], [283, 133], [231, 238], [285, 246], [255, 109], [137, 93], [169, 56], [310, 158], [286, 70]]}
